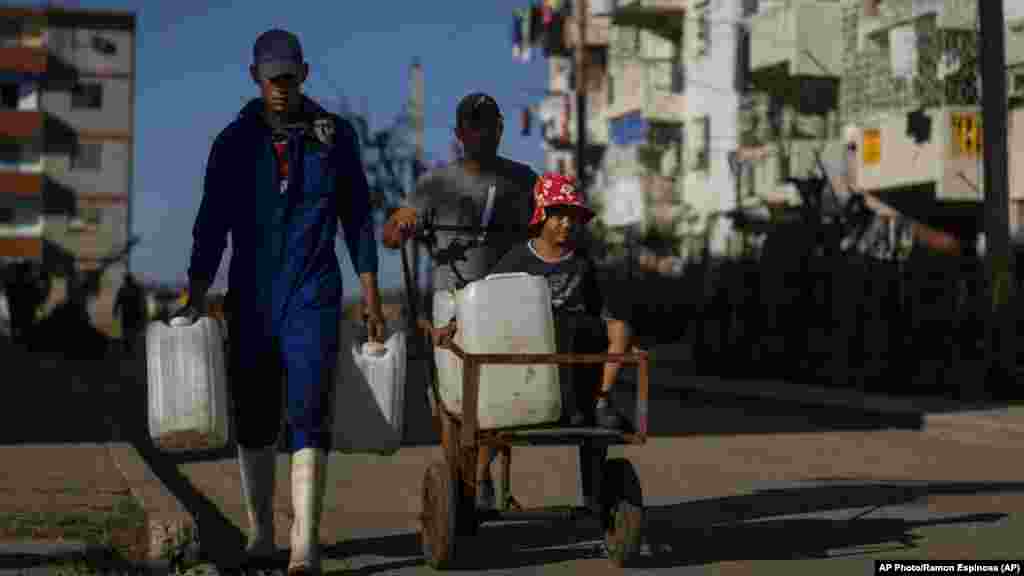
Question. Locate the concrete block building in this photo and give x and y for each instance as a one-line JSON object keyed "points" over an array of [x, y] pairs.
{"points": [[67, 108]]}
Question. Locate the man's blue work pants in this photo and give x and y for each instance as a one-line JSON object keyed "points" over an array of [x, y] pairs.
{"points": [[303, 350]]}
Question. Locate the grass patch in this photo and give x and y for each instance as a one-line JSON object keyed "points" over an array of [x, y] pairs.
{"points": [[119, 531]]}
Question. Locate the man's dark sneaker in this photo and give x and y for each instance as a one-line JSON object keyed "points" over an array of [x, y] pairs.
{"points": [[606, 416]]}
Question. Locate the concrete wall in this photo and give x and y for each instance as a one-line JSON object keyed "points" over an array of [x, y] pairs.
{"points": [[904, 162]]}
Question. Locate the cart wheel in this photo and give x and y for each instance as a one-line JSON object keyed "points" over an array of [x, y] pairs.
{"points": [[622, 511], [438, 519]]}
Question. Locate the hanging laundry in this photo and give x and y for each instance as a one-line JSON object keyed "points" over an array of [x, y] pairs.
{"points": [[554, 38], [547, 13], [536, 25], [567, 99], [525, 21], [517, 35]]}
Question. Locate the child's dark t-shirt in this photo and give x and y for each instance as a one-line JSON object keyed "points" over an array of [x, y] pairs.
{"points": [[572, 279]]}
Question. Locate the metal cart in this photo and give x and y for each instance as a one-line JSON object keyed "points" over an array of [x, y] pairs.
{"points": [[610, 487]]}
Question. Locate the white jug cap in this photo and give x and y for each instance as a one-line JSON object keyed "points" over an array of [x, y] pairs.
{"points": [[180, 321]]}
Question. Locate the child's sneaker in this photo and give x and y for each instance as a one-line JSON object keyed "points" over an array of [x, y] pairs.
{"points": [[485, 498]]}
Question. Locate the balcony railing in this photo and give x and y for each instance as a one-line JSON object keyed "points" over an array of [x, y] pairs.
{"points": [[30, 228], [20, 123], [24, 60], [657, 15]]}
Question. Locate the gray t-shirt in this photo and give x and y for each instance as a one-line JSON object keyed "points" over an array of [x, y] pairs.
{"points": [[449, 196]]}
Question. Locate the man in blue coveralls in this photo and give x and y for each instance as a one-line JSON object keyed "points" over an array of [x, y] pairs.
{"points": [[278, 179]]}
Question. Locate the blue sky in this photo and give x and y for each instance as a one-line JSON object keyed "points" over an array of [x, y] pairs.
{"points": [[192, 80]]}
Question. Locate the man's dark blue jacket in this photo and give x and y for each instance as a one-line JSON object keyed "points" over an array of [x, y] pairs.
{"points": [[282, 243]]}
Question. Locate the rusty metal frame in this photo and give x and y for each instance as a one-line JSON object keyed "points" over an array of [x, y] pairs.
{"points": [[461, 437], [471, 387]]}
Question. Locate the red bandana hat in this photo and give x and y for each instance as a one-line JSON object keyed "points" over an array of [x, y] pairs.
{"points": [[554, 189]]}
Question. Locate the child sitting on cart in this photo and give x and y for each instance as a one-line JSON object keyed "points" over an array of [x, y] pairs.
{"points": [[583, 323]]}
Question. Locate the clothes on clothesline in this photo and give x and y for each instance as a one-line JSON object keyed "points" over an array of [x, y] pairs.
{"points": [[542, 25]]}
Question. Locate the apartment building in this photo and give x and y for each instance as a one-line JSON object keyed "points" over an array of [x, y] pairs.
{"points": [[897, 59], [67, 143], [791, 112], [646, 113], [715, 54], [662, 113]]}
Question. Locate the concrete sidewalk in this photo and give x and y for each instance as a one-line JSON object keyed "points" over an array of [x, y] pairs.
{"points": [[671, 368], [66, 502]]}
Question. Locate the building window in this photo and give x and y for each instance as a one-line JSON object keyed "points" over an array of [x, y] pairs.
{"points": [[87, 96], [9, 96], [87, 218], [783, 167], [678, 69], [702, 143], [87, 156], [10, 32], [703, 36], [6, 215], [11, 152], [90, 215]]}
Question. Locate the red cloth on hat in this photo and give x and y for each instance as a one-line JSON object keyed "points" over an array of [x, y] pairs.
{"points": [[554, 189]]}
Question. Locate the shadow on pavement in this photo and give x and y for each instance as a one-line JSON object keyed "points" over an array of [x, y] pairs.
{"points": [[747, 527], [104, 561]]}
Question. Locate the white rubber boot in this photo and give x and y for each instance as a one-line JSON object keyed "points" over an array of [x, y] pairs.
{"points": [[308, 480], [258, 467]]}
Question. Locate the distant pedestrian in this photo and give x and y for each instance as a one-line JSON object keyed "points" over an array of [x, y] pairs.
{"points": [[129, 304], [278, 179], [27, 290]]}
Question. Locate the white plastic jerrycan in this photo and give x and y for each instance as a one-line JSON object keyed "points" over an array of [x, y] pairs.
{"points": [[369, 393], [188, 392], [502, 314]]}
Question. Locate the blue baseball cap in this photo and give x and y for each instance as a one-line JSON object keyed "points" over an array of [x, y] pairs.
{"points": [[277, 52]]}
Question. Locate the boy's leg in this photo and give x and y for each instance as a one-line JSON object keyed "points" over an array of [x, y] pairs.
{"points": [[574, 400]]}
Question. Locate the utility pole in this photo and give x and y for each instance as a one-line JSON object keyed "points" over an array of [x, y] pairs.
{"points": [[416, 115], [581, 92], [999, 340]]}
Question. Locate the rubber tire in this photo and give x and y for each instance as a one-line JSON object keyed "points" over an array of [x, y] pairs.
{"points": [[622, 511], [438, 518]]}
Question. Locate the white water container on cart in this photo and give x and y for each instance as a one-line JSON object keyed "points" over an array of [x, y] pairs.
{"points": [[369, 393], [188, 396], [449, 366], [505, 314]]}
